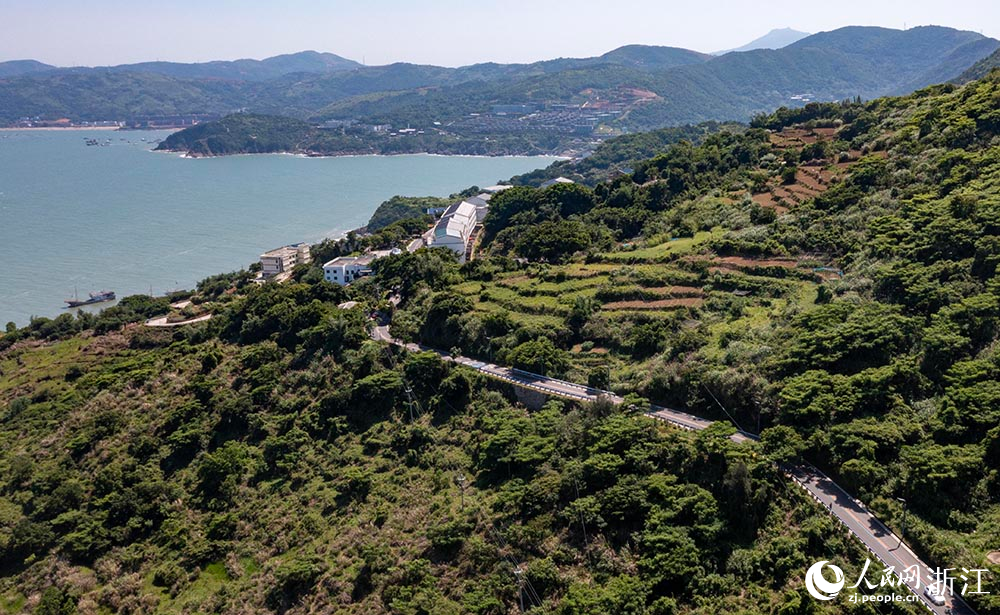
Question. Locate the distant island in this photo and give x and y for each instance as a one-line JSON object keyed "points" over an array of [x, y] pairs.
{"points": [[246, 133]]}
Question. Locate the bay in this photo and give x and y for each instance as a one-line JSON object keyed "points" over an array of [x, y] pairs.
{"points": [[124, 218]]}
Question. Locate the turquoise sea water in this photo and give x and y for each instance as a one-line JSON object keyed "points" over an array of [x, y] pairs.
{"points": [[124, 218]]}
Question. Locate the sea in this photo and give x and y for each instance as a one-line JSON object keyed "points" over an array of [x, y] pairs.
{"points": [[76, 218]]}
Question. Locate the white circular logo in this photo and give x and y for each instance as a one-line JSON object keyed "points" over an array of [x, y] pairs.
{"points": [[817, 585]]}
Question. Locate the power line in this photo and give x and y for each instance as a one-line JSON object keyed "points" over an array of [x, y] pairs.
{"points": [[525, 588], [723, 407]]}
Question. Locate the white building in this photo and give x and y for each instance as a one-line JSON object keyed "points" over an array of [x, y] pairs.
{"points": [[455, 227], [497, 188], [284, 259], [345, 269], [482, 205], [558, 180]]}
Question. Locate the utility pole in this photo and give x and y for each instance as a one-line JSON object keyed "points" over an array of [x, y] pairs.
{"points": [[409, 398], [460, 479], [902, 530], [519, 574]]}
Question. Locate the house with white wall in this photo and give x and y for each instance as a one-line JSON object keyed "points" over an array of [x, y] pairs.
{"points": [[345, 269]]}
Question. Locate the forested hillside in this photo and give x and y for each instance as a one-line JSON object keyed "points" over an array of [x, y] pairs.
{"points": [[981, 68], [560, 106], [826, 278]]}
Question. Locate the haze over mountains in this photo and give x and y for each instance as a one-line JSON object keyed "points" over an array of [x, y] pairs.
{"points": [[635, 87], [244, 69], [775, 39]]}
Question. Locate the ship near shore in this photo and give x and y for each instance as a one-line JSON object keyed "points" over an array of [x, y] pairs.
{"points": [[95, 297]]}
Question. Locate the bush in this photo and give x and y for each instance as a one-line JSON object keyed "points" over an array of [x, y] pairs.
{"points": [[293, 579]]}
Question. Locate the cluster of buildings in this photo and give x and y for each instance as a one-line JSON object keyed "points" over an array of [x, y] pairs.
{"points": [[583, 119], [457, 229]]}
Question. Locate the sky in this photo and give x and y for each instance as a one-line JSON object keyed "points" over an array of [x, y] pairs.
{"points": [[442, 32]]}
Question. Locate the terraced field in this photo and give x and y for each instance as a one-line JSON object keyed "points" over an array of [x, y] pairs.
{"points": [[672, 280], [812, 177]]}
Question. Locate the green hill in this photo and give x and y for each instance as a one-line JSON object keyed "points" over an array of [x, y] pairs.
{"points": [[241, 133], [827, 278], [845, 63], [981, 68], [16, 68], [95, 95]]}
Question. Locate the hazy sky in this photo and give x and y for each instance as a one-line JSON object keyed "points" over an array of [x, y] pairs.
{"points": [[445, 32]]}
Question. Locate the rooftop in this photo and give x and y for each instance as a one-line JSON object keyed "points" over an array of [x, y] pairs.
{"points": [[284, 250], [497, 188], [558, 180], [350, 260]]}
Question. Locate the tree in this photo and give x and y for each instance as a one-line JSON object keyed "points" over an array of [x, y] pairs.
{"points": [[55, 601], [553, 240], [539, 356], [788, 174], [782, 444]]}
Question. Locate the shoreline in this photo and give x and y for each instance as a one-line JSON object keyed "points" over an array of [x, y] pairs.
{"points": [[67, 128], [313, 155]]}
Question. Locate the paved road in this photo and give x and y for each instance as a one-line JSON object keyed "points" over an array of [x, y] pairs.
{"points": [[553, 386], [885, 545], [162, 321]]}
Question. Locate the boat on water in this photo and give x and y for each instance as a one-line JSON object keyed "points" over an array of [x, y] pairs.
{"points": [[97, 297]]}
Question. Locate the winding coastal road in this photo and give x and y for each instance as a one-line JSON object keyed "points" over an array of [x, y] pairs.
{"points": [[877, 538]]}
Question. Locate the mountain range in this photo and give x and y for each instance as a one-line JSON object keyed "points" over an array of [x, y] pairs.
{"points": [[240, 70], [631, 88]]}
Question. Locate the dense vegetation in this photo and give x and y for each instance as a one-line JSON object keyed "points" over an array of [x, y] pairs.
{"points": [[242, 133], [981, 68], [249, 133], [617, 155], [269, 461], [826, 278]]}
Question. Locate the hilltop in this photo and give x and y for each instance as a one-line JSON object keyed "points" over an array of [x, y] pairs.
{"points": [[775, 39], [826, 277], [234, 70]]}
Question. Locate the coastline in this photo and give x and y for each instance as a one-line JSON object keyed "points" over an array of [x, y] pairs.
{"points": [[329, 201], [66, 128], [187, 155]]}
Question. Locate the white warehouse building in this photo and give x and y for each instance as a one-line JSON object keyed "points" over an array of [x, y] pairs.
{"points": [[455, 227]]}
